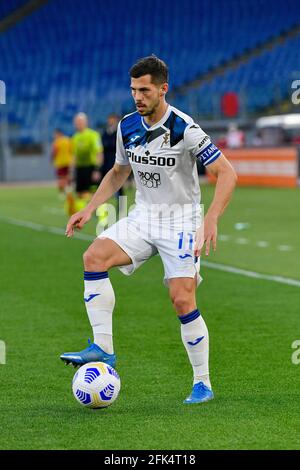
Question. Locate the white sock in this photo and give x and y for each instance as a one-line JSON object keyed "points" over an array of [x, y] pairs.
{"points": [[99, 300], [194, 335]]}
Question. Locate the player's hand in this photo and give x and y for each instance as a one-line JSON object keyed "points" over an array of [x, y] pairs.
{"points": [[206, 235], [77, 221], [199, 241]]}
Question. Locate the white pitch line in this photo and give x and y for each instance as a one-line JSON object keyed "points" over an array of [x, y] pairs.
{"points": [[54, 210], [259, 244], [223, 238], [44, 228], [262, 244], [253, 274], [242, 241], [208, 264], [284, 248]]}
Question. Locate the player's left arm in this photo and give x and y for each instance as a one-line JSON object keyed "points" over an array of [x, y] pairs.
{"points": [[226, 181], [200, 146]]}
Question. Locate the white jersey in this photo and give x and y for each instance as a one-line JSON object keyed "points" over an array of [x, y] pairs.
{"points": [[163, 159]]}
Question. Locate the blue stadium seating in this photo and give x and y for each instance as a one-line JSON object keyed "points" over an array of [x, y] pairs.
{"points": [[72, 55], [8, 6], [259, 81]]}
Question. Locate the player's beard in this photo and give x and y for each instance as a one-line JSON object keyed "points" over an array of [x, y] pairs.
{"points": [[148, 111]]}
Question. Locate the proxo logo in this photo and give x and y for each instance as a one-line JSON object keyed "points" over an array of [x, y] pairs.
{"points": [[151, 180]]}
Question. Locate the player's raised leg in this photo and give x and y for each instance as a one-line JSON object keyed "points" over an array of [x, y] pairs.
{"points": [[99, 299], [194, 336]]}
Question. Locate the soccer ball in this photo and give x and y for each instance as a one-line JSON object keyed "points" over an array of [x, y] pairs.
{"points": [[96, 385]]}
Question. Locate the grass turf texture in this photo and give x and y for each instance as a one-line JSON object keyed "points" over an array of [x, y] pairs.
{"points": [[252, 325]]}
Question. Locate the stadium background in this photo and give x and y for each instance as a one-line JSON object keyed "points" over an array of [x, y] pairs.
{"points": [[230, 62]]}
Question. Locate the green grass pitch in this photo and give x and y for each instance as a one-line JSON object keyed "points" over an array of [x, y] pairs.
{"points": [[252, 325]]}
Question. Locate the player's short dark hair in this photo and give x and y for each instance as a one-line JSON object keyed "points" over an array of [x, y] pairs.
{"points": [[153, 66]]}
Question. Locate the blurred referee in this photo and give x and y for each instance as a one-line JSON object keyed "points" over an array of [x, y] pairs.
{"points": [[109, 139], [88, 157]]}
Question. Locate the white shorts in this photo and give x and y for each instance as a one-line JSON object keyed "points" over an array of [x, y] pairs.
{"points": [[140, 242]]}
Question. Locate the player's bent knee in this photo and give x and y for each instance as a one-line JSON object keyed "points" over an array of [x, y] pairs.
{"points": [[182, 303], [94, 260]]}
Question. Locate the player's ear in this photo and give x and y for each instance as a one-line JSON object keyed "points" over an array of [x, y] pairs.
{"points": [[164, 89]]}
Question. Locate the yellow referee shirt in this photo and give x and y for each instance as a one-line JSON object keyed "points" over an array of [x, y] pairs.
{"points": [[86, 146]]}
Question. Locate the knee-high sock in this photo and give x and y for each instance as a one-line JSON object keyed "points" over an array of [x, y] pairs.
{"points": [[194, 336], [99, 300]]}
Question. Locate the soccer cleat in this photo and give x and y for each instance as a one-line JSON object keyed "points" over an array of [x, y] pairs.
{"points": [[200, 394], [93, 353]]}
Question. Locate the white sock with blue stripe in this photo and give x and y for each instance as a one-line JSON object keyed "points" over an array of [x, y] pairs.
{"points": [[99, 300], [194, 336]]}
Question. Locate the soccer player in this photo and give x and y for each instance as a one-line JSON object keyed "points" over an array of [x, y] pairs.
{"points": [[88, 156], [161, 145], [62, 159]]}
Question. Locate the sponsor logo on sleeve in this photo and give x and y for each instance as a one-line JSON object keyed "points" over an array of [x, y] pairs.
{"points": [[203, 141]]}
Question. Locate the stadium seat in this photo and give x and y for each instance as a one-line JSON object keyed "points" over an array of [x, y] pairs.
{"points": [[75, 53]]}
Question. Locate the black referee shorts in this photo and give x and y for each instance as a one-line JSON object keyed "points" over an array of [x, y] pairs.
{"points": [[83, 178]]}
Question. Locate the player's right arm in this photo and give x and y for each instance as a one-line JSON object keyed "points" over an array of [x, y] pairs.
{"points": [[110, 184]]}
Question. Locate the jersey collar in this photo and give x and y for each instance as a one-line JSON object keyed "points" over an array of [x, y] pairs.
{"points": [[160, 122]]}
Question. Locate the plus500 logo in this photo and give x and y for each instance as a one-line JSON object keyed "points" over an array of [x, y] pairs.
{"points": [[151, 159]]}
